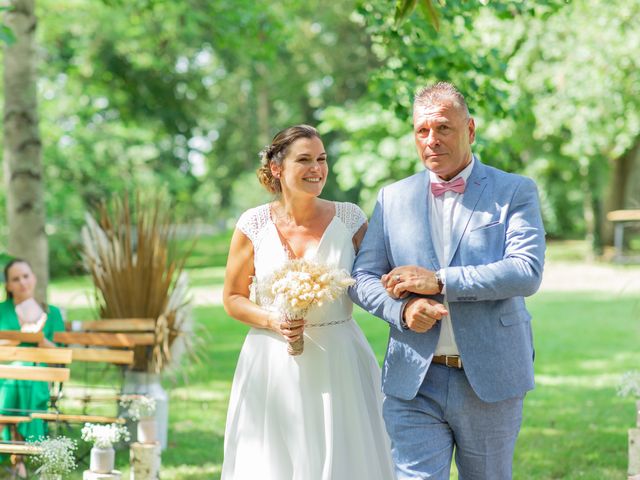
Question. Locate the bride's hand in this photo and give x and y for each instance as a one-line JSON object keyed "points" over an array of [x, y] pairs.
{"points": [[290, 329]]}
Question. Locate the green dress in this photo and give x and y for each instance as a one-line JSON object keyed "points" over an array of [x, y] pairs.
{"points": [[20, 397]]}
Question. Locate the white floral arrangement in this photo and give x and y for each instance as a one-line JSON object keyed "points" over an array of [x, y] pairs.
{"points": [[138, 406], [57, 456], [104, 436], [630, 384], [299, 285]]}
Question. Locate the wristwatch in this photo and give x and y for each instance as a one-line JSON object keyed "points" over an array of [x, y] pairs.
{"points": [[440, 279]]}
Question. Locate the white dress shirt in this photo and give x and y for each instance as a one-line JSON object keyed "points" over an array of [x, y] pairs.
{"points": [[442, 213]]}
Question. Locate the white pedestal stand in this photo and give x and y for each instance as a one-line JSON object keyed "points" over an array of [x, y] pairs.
{"points": [[145, 461], [89, 475]]}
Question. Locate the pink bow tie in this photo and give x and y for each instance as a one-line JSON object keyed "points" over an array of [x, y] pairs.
{"points": [[457, 186]]}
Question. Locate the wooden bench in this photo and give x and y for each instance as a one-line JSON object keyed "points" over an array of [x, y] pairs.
{"points": [[56, 375], [137, 334], [15, 337], [36, 373], [107, 342], [17, 448], [17, 451], [621, 219]]}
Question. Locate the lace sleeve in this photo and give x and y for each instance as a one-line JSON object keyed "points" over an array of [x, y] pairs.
{"points": [[351, 215], [253, 221]]}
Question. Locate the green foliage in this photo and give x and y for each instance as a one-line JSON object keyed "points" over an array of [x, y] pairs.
{"points": [[375, 134], [6, 34], [209, 251], [181, 96], [574, 71], [553, 97]]}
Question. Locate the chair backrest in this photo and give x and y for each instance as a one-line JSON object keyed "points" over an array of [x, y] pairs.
{"points": [[120, 335], [141, 331], [16, 337], [36, 355], [94, 339], [98, 347], [104, 355], [20, 449]]}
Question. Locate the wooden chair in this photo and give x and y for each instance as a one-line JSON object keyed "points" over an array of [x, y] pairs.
{"points": [[104, 343], [622, 219], [137, 334], [10, 338], [54, 374]]}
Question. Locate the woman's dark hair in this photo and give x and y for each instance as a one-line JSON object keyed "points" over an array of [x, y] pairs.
{"points": [[7, 267], [276, 152]]}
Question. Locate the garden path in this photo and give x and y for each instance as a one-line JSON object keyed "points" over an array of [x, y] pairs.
{"points": [[558, 277]]}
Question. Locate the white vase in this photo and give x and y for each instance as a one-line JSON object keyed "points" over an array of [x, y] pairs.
{"points": [[50, 476], [147, 430], [143, 383], [102, 460]]}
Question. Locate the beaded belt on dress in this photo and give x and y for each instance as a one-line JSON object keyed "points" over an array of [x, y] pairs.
{"points": [[327, 324]]}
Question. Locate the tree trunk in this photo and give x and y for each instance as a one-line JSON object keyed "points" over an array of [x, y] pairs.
{"points": [[263, 114], [22, 146], [592, 208], [620, 190], [632, 196]]}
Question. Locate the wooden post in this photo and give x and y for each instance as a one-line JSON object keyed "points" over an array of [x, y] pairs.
{"points": [[145, 461], [89, 475], [634, 448]]}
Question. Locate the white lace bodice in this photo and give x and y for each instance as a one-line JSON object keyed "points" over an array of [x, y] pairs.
{"points": [[253, 222], [335, 248]]}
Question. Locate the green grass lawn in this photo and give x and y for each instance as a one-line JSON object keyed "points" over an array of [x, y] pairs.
{"points": [[575, 426]]}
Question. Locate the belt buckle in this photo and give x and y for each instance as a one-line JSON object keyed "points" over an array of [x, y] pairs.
{"points": [[457, 363]]}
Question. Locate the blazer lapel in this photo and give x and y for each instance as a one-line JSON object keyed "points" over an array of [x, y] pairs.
{"points": [[422, 203], [475, 186]]}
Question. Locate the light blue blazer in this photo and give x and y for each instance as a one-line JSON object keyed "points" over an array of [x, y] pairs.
{"points": [[497, 257]]}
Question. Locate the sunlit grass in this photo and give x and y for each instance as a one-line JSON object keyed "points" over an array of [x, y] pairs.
{"points": [[575, 426]]}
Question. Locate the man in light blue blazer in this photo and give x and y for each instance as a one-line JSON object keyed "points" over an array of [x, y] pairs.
{"points": [[448, 258]]}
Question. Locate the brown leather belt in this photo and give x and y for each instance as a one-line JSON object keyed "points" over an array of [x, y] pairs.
{"points": [[453, 361]]}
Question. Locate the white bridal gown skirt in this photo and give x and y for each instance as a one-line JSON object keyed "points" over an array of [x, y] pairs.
{"points": [[316, 416]]}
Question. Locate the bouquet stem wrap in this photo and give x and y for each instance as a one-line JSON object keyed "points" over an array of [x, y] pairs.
{"points": [[296, 347], [298, 286]]}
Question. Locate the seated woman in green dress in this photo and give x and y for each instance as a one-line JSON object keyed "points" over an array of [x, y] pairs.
{"points": [[20, 311]]}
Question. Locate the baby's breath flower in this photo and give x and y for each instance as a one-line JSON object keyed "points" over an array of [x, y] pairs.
{"points": [[138, 406], [630, 384], [104, 436], [57, 456]]}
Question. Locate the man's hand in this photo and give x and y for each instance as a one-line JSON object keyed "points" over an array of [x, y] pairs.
{"points": [[421, 314], [401, 281]]}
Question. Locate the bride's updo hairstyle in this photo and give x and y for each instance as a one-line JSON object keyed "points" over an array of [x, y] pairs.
{"points": [[276, 152]]}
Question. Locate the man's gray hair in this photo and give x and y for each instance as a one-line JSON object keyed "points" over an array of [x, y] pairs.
{"points": [[438, 93]]}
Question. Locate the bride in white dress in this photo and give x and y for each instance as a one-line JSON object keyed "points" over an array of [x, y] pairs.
{"points": [[316, 416]]}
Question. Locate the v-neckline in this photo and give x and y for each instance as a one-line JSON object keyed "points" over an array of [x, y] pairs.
{"points": [[287, 251]]}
